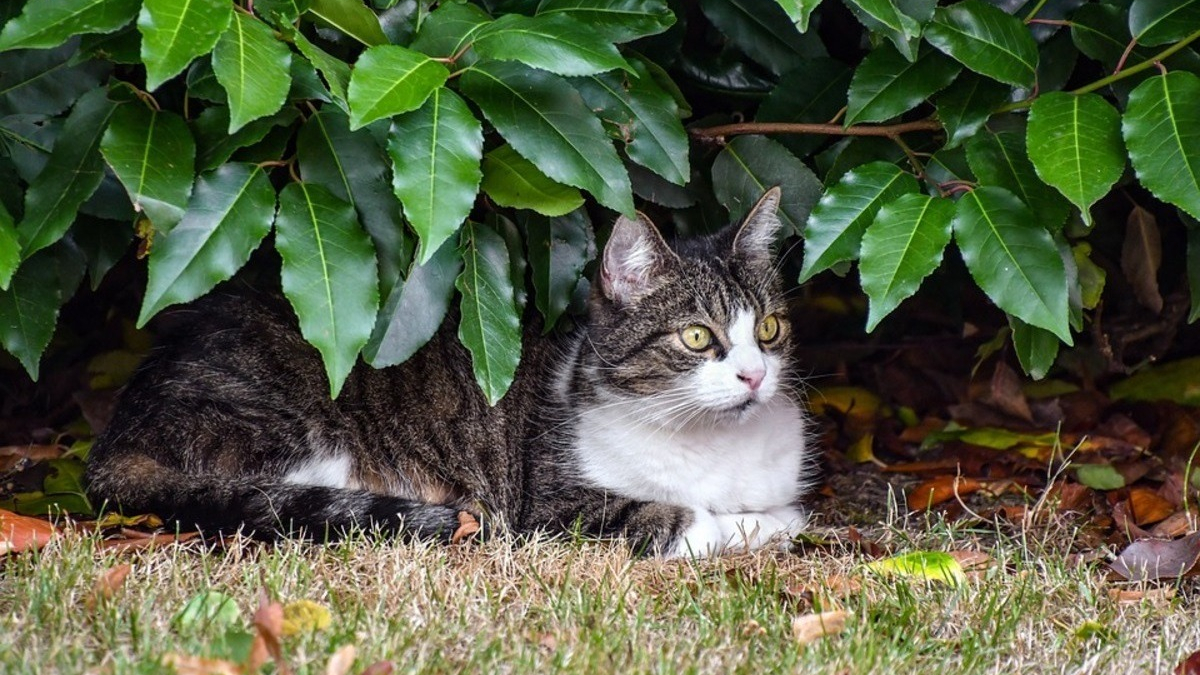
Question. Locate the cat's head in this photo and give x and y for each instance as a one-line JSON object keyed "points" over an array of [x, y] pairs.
{"points": [[696, 332]]}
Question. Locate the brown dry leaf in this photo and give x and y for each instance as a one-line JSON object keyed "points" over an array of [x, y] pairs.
{"points": [[1074, 497], [268, 621], [258, 655], [1158, 597], [467, 526], [941, 489], [1148, 507], [185, 664], [1189, 666], [1124, 523], [972, 561], [20, 533], [1158, 558], [927, 466], [380, 668], [107, 584], [12, 456], [926, 426], [1177, 525], [341, 661], [1141, 256], [812, 627], [138, 540], [1005, 393]]}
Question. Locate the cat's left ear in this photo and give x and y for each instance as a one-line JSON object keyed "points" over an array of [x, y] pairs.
{"points": [[761, 226]]}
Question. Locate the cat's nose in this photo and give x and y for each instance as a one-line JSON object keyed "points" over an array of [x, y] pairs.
{"points": [[753, 378]]}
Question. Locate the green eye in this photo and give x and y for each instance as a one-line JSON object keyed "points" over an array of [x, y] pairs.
{"points": [[696, 338], [768, 329]]}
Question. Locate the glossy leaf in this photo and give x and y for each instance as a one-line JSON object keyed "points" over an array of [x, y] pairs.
{"points": [[835, 228], [1075, 145], [901, 247], [351, 17], [558, 250], [489, 326], [645, 118], [49, 23], [45, 81], [751, 165], [334, 71], [229, 214], [616, 20], [29, 310], [73, 172], [513, 181], [762, 30], [215, 145], [328, 275], [354, 167], [547, 122], [885, 17], [10, 248], [986, 40], [967, 104], [390, 80], [253, 67], [1036, 347], [154, 157], [449, 29], [414, 310], [815, 91], [553, 42], [886, 85], [1157, 22], [925, 565], [1162, 131], [1000, 160], [1013, 259], [436, 153], [174, 33]]}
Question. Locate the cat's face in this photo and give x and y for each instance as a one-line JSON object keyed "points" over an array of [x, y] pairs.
{"points": [[695, 335]]}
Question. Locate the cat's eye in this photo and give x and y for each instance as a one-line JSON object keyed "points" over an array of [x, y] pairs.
{"points": [[768, 329], [696, 338]]}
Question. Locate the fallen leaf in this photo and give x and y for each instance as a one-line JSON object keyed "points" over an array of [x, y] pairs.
{"points": [[941, 489], [108, 583], [143, 540], [207, 608], [812, 627], [18, 456], [1176, 525], [20, 533], [1124, 523], [1094, 630], [380, 668], [1158, 597], [1158, 558], [1148, 507], [1099, 476], [862, 450], [931, 565], [342, 660], [305, 616], [467, 526], [1189, 666], [184, 664], [1005, 394], [268, 621], [1141, 256], [111, 519], [1177, 381], [972, 561]]}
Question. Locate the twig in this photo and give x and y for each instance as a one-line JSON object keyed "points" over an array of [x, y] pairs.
{"points": [[882, 130]]}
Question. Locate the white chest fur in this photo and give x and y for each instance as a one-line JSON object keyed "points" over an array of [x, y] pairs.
{"points": [[755, 465]]}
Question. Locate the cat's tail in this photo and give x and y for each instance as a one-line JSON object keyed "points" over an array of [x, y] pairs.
{"points": [[262, 507]]}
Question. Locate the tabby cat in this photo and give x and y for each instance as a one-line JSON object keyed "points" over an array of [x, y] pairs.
{"points": [[666, 417]]}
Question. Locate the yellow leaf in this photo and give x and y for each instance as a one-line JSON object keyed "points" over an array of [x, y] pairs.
{"points": [[305, 616]]}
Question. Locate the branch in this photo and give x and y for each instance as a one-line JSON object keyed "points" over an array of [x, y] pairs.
{"points": [[884, 130]]}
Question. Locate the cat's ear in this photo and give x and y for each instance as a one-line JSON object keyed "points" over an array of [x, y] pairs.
{"points": [[633, 256], [761, 226]]}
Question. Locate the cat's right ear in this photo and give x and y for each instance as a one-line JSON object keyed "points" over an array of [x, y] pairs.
{"points": [[633, 256]]}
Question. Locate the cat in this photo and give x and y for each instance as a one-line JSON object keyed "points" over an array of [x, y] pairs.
{"points": [[667, 417]]}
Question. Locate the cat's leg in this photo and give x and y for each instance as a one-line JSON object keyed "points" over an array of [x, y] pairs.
{"points": [[754, 530]]}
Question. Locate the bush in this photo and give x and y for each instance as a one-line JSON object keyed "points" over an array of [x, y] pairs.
{"points": [[400, 154]]}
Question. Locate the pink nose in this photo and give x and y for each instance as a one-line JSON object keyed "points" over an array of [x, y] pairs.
{"points": [[753, 378]]}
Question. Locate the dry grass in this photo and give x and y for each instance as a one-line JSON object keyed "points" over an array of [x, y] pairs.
{"points": [[575, 607]]}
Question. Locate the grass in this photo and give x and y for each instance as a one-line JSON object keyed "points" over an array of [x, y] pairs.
{"points": [[577, 607]]}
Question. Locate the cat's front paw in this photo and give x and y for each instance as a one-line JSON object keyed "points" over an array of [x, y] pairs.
{"points": [[754, 530], [703, 538]]}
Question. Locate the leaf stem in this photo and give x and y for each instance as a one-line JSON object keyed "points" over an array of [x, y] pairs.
{"points": [[884, 130], [1144, 65], [1034, 12]]}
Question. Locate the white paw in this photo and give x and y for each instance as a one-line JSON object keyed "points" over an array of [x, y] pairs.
{"points": [[703, 538], [751, 531]]}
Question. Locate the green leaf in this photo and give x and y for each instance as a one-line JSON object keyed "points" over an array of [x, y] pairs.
{"points": [[901, 247], [886, 85], [837, 223], [207, 609], [1012, 258], [883, 16], [335, 71], [815, 91], [967, 105], [354, 167], [1162, 131], [351, 17], [929, 565], [548, 123], [1157, 22], [1099, 476], [215, 145], [559, 248], [390, 80], [10, 248], [230, 212], [511, 180], [799, 11], [436, 153], [1036, 347], [1075, 145], [253, 67], [29, 310], [73, 172], [999, 159], [750, 165], [174, 33], [49, 23], [489, 325], [46, 81], [986, 40], [644, 117], [103, 242], [762, 30], [448, 29], [281, 12], [553, 42], [414, 310], [1177, 381], [154, 157], [616, 20], [328, 275]]}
